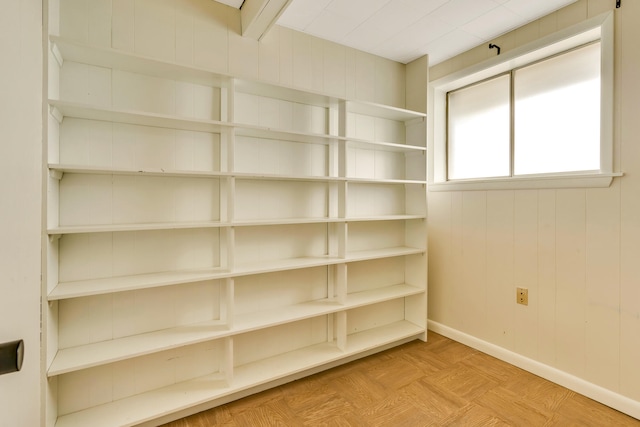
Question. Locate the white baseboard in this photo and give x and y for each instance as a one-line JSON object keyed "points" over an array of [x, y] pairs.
{"points": [[600, 394]]}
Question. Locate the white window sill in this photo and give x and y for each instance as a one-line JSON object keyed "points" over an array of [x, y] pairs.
{"points": [[591, 180]]}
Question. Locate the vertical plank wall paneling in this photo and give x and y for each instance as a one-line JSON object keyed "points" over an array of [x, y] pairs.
{"points": [[500, 257], [570, 280], [525, 266], [576, 250], [603, 286], [472, 288], [546, 276], [628, 129]]}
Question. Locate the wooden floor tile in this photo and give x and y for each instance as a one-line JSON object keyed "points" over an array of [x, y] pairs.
{"points": [[394, 374], [438, 383], [359, 389], [431, 399], [589, 413], [396, 410], [473, 415], [514, 411], [493, 368], [462, 381]]}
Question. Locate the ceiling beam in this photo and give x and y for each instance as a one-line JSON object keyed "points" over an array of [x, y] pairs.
{"points": [[258, 16]]}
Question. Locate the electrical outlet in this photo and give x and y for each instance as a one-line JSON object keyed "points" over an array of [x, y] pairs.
{"points": [[522, 296]]}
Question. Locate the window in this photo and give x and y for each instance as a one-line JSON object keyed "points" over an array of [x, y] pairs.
{"points": [[537, 117]]}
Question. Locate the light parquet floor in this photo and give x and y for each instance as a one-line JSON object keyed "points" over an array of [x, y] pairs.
{"points": [[438, 383]]}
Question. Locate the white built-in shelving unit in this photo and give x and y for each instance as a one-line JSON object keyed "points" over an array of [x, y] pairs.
{"points": [[209, 235]]}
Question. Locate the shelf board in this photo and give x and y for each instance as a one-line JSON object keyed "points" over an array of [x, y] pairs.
{"points": [[114, 228], [387, 334], [100, 353], [371, 254], [284, 221], [385, 181], [166, 400], [105, 170], [252, 131], [121, 60], [325, 220], [271, 266], [84, 288], [108, 114], [294, 362], [384, 111], [384, 218], [284, 93], [384, 146], [281, 315], [148, 406], [374, 296], [280, 177]]}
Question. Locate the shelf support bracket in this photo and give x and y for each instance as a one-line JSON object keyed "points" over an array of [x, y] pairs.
{"points": [[56, 113], [55, 174], [57, 54], [54, 237], [618, 4]]}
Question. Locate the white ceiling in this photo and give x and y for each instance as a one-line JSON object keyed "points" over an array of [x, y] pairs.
{"points": [[403, 30]]}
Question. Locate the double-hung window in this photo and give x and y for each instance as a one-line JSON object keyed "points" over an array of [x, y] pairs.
{"points": [[540, 116]]}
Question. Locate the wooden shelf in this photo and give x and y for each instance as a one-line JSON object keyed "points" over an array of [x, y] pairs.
{"points": [[384, 111], [100, 353], [384, 146], [70, 50], [114, 228], [84, 288], [384, 218], [382, 253], [61, 109], [253, 131], [103, 170], [147, 406], [166, 400], [385, 181], [383, 335], [98, 170], [330, 180], [274, 177], [284, 93]]}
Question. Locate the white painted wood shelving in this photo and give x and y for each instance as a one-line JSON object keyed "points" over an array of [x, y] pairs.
{"points": [[209, 235]]}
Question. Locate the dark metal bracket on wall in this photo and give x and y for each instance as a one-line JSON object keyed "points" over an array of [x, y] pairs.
{"points": [[618, 4], [494, 46]]}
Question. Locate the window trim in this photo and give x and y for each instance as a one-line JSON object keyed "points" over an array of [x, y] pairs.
{"points": [[597, 28]]}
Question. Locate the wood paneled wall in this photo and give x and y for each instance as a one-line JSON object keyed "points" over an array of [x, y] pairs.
{"points": [[577, 250]]}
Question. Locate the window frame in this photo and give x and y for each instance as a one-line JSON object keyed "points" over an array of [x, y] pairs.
{"points": [[599, 28]]}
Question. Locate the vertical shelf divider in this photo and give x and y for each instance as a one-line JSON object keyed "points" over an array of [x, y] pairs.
{"points": [[341, 330], [228, 360]]}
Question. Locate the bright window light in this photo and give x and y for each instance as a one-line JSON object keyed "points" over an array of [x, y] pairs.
{"points": [[557, 114], [478, 130]]}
